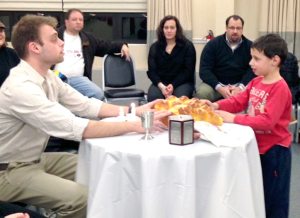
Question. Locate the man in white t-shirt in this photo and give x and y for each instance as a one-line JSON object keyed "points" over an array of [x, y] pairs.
{"points": [[79, 51]]}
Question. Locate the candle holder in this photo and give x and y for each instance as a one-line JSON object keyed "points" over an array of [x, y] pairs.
{"points": [[181, 128]]}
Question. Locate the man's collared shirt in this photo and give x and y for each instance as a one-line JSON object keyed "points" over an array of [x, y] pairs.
{"points": [[32, 107], [231, 45]]}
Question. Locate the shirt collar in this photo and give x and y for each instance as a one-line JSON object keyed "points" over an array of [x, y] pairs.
{"points": [[233, 46], [32, 72]]}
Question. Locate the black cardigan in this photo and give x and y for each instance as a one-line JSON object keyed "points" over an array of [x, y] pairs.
{"points": [[219, 64], [8, 60], [176, 68]]}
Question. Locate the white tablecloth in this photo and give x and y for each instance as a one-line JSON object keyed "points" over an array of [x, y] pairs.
{"points": [[130, 178]]}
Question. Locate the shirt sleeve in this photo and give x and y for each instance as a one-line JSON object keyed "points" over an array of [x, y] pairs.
{"points": [[276, 107], [207, 62], [77, 103], [31, 105], [235, 104]]}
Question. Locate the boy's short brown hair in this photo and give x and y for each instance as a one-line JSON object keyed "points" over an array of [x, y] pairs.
{"points": [[271, 45]]}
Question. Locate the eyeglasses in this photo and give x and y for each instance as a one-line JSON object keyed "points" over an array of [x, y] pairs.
{"points": [[2, 30], [239, 28]]}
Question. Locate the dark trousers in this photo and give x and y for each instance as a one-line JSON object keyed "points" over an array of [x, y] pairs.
{"points": [[62, 145], [7, 209], [276, 170], [186, 89]]}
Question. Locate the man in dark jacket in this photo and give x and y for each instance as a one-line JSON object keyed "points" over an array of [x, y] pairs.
{"points": [[224, 63], [79, 51], [8, 56], [289, 71]]}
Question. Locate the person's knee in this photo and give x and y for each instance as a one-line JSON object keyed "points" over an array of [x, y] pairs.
{"points": [[74, 204], [203, 93], [186, 89], [99, 95], [154, 93], [96, 92], [80, 199]]}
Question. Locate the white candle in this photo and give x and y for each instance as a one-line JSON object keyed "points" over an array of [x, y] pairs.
{"points": [[121, 112], [133, 110]]}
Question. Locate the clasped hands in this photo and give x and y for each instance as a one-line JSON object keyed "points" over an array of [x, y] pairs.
{"points": [[229, 90], [226, 116], [166, 90]]}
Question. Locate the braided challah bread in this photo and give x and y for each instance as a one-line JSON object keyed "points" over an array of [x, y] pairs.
{"points": [[194, 107]]}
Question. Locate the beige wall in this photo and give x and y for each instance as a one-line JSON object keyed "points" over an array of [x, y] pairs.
{"points": [[212, 15], [250, 11]]}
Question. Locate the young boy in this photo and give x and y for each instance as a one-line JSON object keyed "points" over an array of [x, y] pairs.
{"points": [[268, 102]]}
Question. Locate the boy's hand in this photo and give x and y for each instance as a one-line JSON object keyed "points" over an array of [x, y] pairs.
{"points": [[227, 117], [214, 106]]}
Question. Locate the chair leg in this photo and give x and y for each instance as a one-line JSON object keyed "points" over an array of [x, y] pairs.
{"points": [[297, 109], [293, 125]]}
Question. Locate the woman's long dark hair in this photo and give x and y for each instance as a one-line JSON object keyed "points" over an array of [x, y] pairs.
{"points": [[160, 29]]}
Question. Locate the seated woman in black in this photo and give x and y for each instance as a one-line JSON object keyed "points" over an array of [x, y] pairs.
{"points": [[171, 62], [8, 56]]}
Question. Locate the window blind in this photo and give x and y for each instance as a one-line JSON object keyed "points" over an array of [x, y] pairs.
{"points": [[125, 6], [31, 5]]}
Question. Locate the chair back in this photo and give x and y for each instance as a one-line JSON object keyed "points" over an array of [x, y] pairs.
{"points": [[117, 72], [118, 81]]}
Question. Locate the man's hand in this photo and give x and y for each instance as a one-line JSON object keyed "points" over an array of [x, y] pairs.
{"points": [[146, 107], [235, 90], [125, 52], [225, 91], [158, 125], [18, 215]]}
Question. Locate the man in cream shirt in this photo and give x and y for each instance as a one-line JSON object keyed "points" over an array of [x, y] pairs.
{"points": [[34, 104]]}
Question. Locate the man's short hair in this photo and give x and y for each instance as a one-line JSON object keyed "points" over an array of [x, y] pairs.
{"points": [[234, 17], [27, 30], [70, 11], [271, 45]]}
